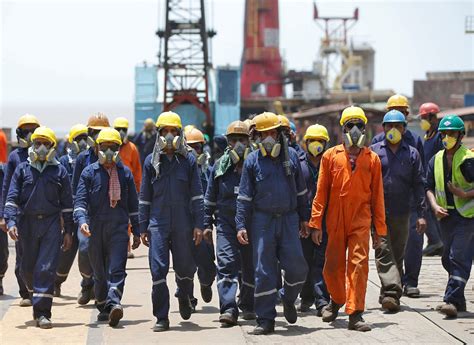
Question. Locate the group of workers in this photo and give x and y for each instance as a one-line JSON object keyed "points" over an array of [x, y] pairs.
{"points": [[291, 221]]}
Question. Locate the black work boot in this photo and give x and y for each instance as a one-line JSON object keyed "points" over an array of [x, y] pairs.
{"points": [[228, 319], [264, 328], [162, 325], [289, 310], [115, 315], [85, 295], [390, 304], [448, 309], [357, 323], [206, 293], [185, 307], [331, 311]]}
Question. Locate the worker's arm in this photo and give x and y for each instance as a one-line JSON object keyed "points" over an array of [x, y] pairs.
{"points": [[378, 201], [66, 201], [322, 193], [421, 151], [81, 201], [301, 191], [197, 195], [246, 194], [146, 196], [136, 166], [76, 173], [210, 200], [13, 198], [133, 205], [418, 183], [9, 170]]}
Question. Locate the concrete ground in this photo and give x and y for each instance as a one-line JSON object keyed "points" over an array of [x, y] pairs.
{"points": [[417, 322]]}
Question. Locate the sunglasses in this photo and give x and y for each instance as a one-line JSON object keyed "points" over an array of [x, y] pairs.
{"points": [[351, 125]]}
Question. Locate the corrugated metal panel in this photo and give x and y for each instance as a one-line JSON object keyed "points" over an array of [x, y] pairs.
{"points": [[144, 111], [146, 84], [228, 98]]}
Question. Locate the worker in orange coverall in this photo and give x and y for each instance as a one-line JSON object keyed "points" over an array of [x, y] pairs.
{"points": [[130, 158], [349, 197]]}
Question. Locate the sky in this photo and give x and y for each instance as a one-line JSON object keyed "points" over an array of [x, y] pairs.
{"points": [[66, 59]]}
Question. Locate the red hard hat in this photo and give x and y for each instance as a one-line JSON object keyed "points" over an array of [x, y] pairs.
{"points": [[428, 108]]}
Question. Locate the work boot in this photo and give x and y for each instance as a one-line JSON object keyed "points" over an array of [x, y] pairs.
{"points": [[162, 325], [85, 295], [319, 311], [130, 255], [194, 303], [331, 311], [1, 286], [357, 323], [228, 319], [103, 316], [305, 306], [411, 291], [25, 302], [289, 310], [43, 322], [391, 304], [185, 308], [115, 315], [264, 328], [206, 293], [433, 249], [57, 290], [248, 315], [448, 309]]}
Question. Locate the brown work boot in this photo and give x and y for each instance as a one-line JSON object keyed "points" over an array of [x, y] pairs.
{"points": [[357, 323], [448, 309], [331, 311], [390, 304]]}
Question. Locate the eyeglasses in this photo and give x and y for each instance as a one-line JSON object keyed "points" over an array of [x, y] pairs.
{"points": [[351, 125]]}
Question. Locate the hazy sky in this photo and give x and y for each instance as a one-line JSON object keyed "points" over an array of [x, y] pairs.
{"points": [[71, 52]]}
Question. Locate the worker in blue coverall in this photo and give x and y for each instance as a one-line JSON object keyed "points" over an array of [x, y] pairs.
{"points": [[171, 216], [145, 140], [403, 175], [428, 114], [39, 195], [220, 203], [3, 238], [450, 181], [414, 248], [95, 124], [272, 203], [314, 290], [106, 201], [25, 128], [204, 253], [77, 143]]}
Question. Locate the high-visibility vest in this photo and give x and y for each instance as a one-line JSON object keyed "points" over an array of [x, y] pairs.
{"points": [[465, 206]]}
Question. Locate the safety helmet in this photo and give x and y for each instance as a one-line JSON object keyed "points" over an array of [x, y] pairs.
{"points": [[149, 121], [188, 128], [397, 101], [109, 135], [351, 113], [427, 109], [315, 132], [249, 123], [121, 122], [169, 119], [44, 133], [293, 126], [75, 131], [451, 123], [27, 119], [193, 136], [266, 121], [237, 128], [284, 121], [98, 121], [394, 116]]}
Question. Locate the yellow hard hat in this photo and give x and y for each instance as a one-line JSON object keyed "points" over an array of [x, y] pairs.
{"points": [[238, 128], [194, 135], [98, 121], [169, 119], [266, 121], [352, 112], [316, 132], [109, 135], [44, 133], [284, 121], [397, 101], [75, 131], [120, 122], [27, 119]]}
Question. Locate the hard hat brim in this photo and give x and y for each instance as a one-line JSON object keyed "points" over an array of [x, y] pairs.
{"points": [[269, 128]]}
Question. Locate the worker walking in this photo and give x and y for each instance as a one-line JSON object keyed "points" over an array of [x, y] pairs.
{"points": [[432, 144], [314, 290], [171, 216], [106, 201], [95, 124], [271, 209], [450, 181], [414, 248], [77, 143], [220, 204], [350, 196], [145, 140], [204, 252], [27, 124], [403, 175], [39, 195]]}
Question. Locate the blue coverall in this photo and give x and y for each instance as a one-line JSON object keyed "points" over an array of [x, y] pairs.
{"points": [[272, 204], [232, 257], [83, 160], [16, 157], [36, 200], [3, 235], [414, 248], [144, 145], [108, 244], [314, 289], [166, 215]]}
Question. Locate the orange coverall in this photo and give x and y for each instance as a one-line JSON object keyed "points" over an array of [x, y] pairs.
{"points": [[350, 201], [3, 147]]}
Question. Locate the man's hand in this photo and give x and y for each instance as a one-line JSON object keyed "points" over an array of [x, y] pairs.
{"points": [[3, 225], [207, 235], [421, 226], [85, 230], [13, 232], [440, 212], [136, 242], [145, 239], [317, 236], [67, 242], [459, 192], [197, 236], [304, 230], [242, 237], [376, 240]]}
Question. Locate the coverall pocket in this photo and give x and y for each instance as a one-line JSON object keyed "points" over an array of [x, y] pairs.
{"points": [[53, 187]]}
